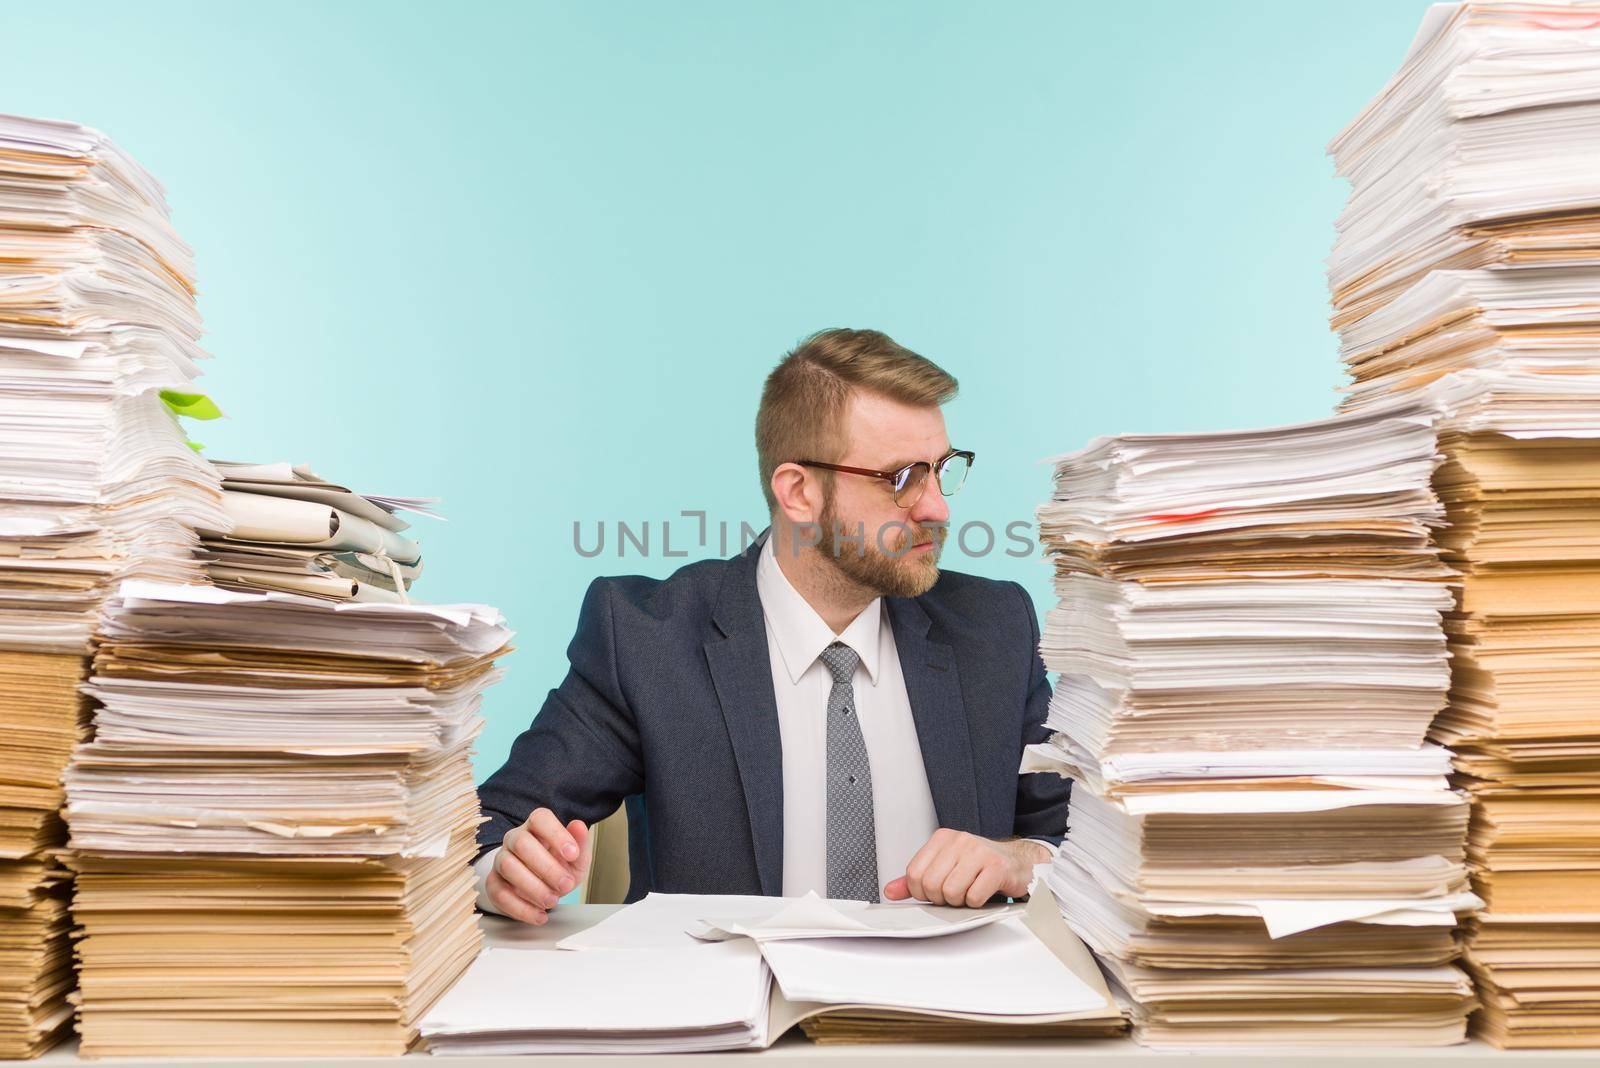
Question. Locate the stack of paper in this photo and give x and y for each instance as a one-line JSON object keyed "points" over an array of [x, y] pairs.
{"points": [[1262, 589], [45, 717], [98, 330], [1468, 261], [273, 825], [1250, 652], [98, 348], [36, 951], [1525, 532], [844, 971], [1472, 235], [297, 533], [521, 1001]]}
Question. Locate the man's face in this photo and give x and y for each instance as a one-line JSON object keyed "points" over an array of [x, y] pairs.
{"points": [[897, 552]]}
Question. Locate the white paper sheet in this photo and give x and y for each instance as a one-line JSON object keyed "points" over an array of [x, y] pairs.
{"points": [[812, 916], [663, 920], [1001, 969]]}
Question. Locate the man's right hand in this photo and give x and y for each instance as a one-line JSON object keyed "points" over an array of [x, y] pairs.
{"points": [[537, 863]]}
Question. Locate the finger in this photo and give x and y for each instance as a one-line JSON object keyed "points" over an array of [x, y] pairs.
{"points": [[580, 834], [985, 886], [523, 842], [536, 857], [506, 901], [505, 898], [548, 829], [896, 889], [967, 868], [933, 879], [527, 884], [918, 866]]}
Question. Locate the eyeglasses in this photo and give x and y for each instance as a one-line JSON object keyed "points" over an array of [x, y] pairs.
{"points": [[910, 481]]}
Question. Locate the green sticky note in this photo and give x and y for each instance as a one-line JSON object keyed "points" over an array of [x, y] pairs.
{"points": [[193, 405]]}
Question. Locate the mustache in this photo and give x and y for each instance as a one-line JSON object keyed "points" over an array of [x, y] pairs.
{"points": [[923, 534]]}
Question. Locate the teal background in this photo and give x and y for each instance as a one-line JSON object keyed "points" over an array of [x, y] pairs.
{"points": [[536, 258]]}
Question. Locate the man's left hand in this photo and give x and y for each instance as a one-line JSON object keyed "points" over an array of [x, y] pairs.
{"points": [[957, 868]]}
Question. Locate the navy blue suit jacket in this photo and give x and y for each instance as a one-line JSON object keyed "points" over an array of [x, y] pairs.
{"points": [[669, 705]]}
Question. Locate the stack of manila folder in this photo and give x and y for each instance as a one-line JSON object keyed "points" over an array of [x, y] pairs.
{"points": [[292, 531]]}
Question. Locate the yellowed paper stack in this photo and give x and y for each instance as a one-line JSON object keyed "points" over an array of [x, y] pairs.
{"points": [[1467, 267], [1525, 532], [1261, 848], [98, 350], [297, 533], [273, 825], [45, 716]]}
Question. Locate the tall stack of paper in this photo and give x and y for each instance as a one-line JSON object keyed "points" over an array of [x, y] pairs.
{"points": [[1525, 532], [273, 825], [294, 532], [1469, 259], [1260, 847], [98, 333]]}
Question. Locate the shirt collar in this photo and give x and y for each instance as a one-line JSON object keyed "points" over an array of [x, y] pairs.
{"points": [[801, 634]]}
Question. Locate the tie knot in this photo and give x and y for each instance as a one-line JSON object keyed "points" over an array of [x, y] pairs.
{"points": [[841, 660]]}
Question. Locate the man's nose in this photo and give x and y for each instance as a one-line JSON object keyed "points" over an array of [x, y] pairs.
{"points": [[932, 508]]}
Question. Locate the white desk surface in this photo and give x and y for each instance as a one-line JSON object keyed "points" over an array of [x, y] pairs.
{"points": [[795, 1049]]}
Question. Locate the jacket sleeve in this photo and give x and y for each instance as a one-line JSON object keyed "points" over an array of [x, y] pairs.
{"points": [[581, 755], [1041, 797]]}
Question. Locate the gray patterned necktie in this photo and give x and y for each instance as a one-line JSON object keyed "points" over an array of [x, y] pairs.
{"points": [[852, 835]]}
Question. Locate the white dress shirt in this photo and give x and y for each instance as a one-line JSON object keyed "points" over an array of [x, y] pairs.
{"points": [[902, 804]]}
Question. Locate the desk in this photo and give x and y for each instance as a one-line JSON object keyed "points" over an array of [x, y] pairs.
{"points": [[794, 1050]]}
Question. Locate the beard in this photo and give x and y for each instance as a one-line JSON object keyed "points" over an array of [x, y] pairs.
{"points": [[882, 561]]}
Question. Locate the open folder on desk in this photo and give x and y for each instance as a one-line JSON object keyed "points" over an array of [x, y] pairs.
{"points": [[1023, 974]]}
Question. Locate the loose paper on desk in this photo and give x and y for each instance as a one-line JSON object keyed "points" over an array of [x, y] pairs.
{"points": [[1000, 969], [815, 917]]}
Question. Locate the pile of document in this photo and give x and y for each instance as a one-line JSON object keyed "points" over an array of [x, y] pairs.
{"points": [[44, 717], [98, 350], [1468, 266], [1261, 848], [294, 532], [273, 824], [682, 973], [98, 330], [1470, 245], [1471, 239], [1522, 721]]}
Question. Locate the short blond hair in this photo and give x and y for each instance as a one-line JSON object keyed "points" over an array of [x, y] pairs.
{"points": [[804, 400]]}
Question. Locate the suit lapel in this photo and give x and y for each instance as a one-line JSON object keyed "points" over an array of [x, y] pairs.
{"points": [[741, 670], [934, 688]]}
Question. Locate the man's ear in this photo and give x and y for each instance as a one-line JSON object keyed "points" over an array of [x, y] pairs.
{"points": [[797, 494]]}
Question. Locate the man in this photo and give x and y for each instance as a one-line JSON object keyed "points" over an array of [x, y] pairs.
{"points": [[826, 711]]}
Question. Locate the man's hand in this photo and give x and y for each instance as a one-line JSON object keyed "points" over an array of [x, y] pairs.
{"points": [[957, 868], [537, 863]]}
